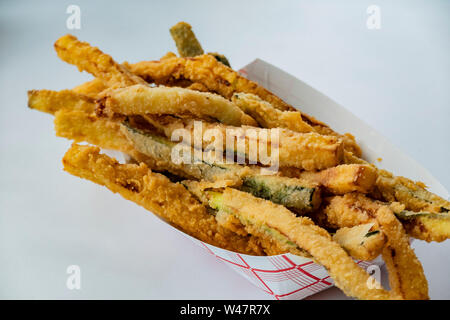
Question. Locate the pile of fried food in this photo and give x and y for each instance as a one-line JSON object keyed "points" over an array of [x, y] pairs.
{"points": [[325, 203]]}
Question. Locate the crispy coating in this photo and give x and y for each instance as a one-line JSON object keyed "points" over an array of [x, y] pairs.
{"points": [[270, 117], [197, 86], [94, 61], [80, 126], [155, 192], [309, 151], [51, 101], [207, 70], [412, 194], [428, 229], [92, 89], [427, 226], [185, 40], [347, 275], [83, 127], [341, 212], [344, 178], [141, 100], [359, 242], [168, 55], [270, 244], [406, 275]]}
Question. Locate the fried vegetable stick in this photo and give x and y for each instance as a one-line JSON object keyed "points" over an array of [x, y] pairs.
{"points": [[142, 99], [296, 194], [412, 194], [80, 126], [207, 70], [360, 242], [92, 88], [94, 61], [75, 119], [406, 275], [270, 117], [344, 178], [309, 151], [188, 45], [262, 216], [154, 192], [427, 226], [185, 40], [51, 101]]}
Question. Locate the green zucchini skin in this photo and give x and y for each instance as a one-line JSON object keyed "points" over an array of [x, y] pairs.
{"points": [[301, 198], [409, 215]]}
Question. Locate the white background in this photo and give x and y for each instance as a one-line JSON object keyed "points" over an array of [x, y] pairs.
{"points": [[396, 79]]}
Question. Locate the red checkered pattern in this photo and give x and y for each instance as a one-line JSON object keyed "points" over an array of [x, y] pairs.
{"points": [[284, 276]]}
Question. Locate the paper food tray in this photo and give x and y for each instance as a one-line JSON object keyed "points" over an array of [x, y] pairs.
{"points": [[288, 276]]}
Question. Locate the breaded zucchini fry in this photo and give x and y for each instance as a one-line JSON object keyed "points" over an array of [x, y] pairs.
{"points": [[51, 101], [92, 88], [361, 242], [156, 193], [270, 117], [309, 151], [185, 40], [207, 70], [188, 45], [261, 216], [297, 194], [81, 126], [426, 226], [412, 194], [344, 178], [142, 99], [161, 148], [94, 61]]}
